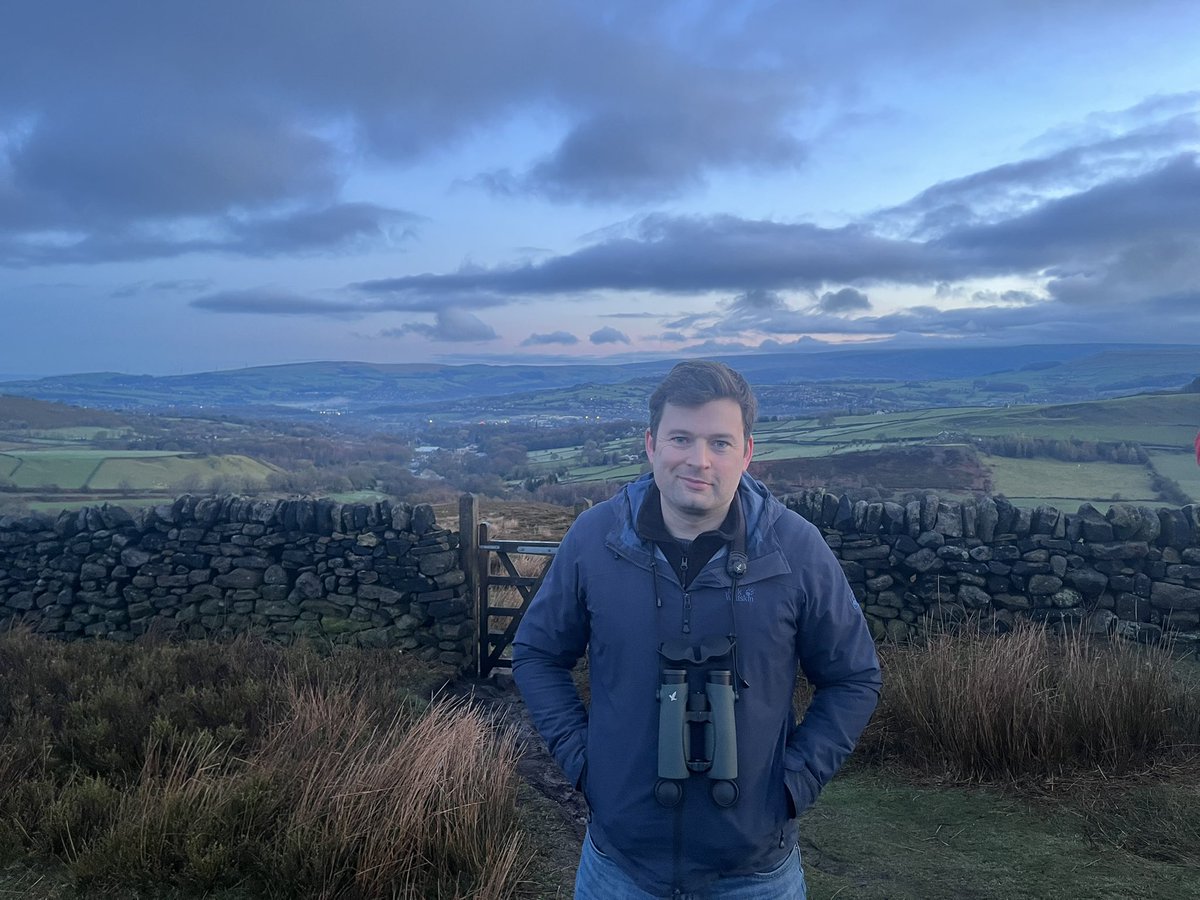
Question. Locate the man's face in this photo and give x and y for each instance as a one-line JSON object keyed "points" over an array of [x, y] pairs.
{"points": [[698, 456]]}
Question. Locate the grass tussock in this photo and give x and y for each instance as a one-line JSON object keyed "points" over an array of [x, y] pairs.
{"points": [[1031, 704], [209, 766], [376, 808]]}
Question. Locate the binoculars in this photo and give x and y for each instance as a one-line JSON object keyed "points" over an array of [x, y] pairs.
{"points": [[696, 730]]}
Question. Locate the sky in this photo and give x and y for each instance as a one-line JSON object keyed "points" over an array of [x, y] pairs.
{"points": [[196, 186]]}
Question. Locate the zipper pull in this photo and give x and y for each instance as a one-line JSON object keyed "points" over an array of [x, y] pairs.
{"points": [[687, 613]]}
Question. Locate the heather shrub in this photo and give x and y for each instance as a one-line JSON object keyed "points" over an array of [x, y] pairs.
{"points": [[288, 772]]}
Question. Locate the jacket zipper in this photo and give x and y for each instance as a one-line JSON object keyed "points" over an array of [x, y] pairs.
{"points": [[677, 847], [687, 613]]}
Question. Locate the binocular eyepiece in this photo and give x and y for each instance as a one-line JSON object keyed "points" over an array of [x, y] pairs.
{"points": [[696, 730]]}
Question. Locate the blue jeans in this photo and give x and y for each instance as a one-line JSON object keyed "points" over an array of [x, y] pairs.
{"points": [[599, 878]]}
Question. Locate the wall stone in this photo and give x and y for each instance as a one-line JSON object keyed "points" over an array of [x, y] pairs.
{"points": [[374, 575], [1134, 571]]}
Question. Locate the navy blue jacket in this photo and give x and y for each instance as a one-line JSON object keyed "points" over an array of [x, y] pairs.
{"points": [[793, 608]]}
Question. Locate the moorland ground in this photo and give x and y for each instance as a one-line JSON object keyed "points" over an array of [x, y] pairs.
{"points": [[243, 770]]}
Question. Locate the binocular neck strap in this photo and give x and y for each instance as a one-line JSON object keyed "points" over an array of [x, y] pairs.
{"points": [[736, 565]]}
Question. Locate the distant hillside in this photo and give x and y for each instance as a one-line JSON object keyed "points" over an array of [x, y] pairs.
{"points": [[317, 386], [787, 383], [24, 412]]}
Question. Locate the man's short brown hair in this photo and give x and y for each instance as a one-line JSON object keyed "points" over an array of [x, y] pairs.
{"points": [[699, 381]]}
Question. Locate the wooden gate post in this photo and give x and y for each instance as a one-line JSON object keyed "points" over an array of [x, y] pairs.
{"points": [[468, 545]]}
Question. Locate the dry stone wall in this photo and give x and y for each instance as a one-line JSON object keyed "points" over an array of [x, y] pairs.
{"points": [[1134, 571], [385, 575], [378, 575]]}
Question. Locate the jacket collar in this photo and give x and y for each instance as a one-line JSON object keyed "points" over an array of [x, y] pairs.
{"points": [[759, 511]]}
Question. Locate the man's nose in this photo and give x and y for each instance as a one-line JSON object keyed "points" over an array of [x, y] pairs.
{"points": [[699, 455]]}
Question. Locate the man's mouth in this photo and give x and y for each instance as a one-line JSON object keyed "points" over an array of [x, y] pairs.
{"points": [[693, 482]]}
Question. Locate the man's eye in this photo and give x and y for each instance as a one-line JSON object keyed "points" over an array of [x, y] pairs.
{"points": [[679, 440], [721, 445]]}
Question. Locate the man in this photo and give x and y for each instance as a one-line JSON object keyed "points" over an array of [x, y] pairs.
{"points": [[696, 595]]}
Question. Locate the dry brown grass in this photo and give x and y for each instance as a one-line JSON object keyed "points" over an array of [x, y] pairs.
{"points": [[1030, 703], [398, 808]]}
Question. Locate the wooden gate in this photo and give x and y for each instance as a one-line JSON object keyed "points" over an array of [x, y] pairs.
{"points": [[496, 621]]}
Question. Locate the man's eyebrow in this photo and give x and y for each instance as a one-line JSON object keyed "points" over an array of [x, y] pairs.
{"points": [[719, 436]]}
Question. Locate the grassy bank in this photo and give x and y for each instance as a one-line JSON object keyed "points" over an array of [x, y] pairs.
{"points": [[876, 837]]}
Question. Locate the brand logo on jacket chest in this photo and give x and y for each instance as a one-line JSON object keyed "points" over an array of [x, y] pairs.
{"points": [[745, 595]]}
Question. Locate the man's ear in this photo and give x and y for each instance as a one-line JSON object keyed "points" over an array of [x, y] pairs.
{"points": [[649, 445], [749, 453]]}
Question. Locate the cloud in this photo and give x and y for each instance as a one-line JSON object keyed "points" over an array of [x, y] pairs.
{"points": [[1122, 145], [303, 96], [758, 300], [659, 143], [1126, 240], [770, 345], [275, 302], [1090, 228], [178, 285], [554, 337], [338, 226], [329, 229], [845, 300], [1045, 321], [691, 254], [1013, 297], [608, 335], [673, 337], [349, 303], [450, 325]]}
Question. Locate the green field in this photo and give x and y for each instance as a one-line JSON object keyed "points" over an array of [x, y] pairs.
{"points": [[623, 472], [1168, 420], [359, 497], [1180, 467], [1029, 482], [74, 434], [53, 507], [82, 469]]}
